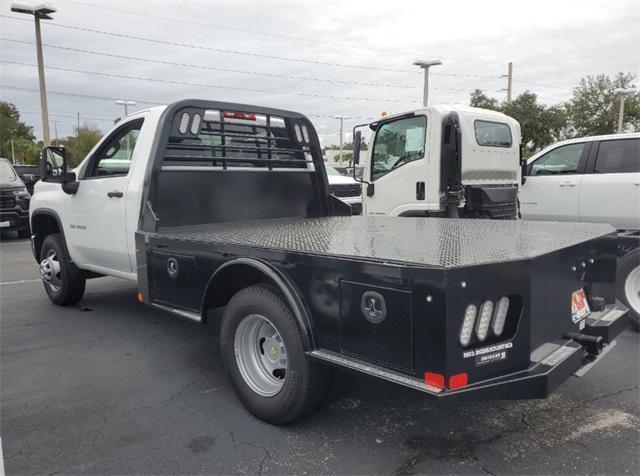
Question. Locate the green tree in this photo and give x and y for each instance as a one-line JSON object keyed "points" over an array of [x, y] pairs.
{"points": [[480, 99], [79, 145], [12, 129], [539, 124], [594, 107]]}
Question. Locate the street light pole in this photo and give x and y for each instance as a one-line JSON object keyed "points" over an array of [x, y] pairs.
{"points": [[126, 103], [623, 93], [341, 118], [42, 12], [425, 65]]}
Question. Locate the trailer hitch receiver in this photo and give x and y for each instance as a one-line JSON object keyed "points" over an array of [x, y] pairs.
{"points": [[591, 344]]}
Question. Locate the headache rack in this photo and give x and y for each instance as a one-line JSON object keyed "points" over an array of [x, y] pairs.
{"points": [[225, 137], [215, 162]]}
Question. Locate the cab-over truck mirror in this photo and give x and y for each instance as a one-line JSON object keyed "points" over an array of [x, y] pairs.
{"points": [[357, 139], [53, 168], [523, 166]]}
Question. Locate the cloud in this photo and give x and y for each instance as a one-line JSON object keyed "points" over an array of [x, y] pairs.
{"points": [[552, 44]]}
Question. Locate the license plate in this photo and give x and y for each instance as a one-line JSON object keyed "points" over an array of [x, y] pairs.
{"points": [[4, 224], [579, 306]]}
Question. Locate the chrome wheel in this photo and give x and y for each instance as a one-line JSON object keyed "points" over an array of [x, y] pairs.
{"points": [[50, 271], [261, 355], [632, 289]]}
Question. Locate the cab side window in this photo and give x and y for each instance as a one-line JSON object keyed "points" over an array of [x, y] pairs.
{"points": [[563, 160], [618, 156], [113, 158]]}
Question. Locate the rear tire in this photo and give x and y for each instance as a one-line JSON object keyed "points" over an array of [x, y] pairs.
{"points": [[628, 285], [60, 283], [263, 355]]}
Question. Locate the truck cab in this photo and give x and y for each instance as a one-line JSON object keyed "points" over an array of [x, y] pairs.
{"points": [[445, 160]]}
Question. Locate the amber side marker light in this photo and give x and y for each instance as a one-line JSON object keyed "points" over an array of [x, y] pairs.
{"points": [[140, 297]]}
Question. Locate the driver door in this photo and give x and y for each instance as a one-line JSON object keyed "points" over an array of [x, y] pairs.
{"points": [[398, 167], [96, 212]]}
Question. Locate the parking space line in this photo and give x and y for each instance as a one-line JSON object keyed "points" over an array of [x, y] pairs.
{"points": [[7, 283], [1, 459]]}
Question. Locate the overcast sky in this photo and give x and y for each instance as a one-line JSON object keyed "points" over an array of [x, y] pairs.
{"points": [[338, 57]]}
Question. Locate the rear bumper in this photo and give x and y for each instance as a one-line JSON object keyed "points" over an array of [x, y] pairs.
{"points": [[551, 365]]}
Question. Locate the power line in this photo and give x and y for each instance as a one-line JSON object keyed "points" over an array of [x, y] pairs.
{"points": [[207, 85], [198, 66], [71, 115], [541, 84], [227, 70], [84, 96], [246, 53], [218, 50], [140, 101], [275, 35]]}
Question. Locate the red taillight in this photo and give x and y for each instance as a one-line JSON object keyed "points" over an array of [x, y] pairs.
{"points": [[239, 115], [434, 380], [458, 380]]}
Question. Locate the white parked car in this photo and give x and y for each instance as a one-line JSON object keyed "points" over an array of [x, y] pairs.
{"points": [[345, 188], [592, 179]]}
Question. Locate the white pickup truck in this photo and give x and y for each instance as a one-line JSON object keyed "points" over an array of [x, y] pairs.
{"points": [[592, 179]]}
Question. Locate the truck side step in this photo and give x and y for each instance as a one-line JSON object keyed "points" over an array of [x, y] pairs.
{"points": [[374, 370]]}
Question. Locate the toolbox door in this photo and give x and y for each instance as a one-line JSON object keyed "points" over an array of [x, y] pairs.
{"points": [[376, 324], [173, 280]]}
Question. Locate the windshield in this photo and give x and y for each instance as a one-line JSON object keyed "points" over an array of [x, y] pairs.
{"points": [[331, 170], [6, 171], [397, 143]]}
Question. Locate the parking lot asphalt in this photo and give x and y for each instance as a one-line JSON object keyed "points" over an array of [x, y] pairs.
{"points": [[112, 387]]}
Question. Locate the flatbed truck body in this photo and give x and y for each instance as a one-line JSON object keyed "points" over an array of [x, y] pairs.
{"points": [[234, 211]]}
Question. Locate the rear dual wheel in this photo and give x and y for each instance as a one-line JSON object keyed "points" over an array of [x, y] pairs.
{"points": [[263, 355]]}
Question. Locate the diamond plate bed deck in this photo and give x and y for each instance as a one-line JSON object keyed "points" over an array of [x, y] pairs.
{"points": [[443, 243]]}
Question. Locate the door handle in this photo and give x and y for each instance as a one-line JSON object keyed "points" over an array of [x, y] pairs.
{"points": [[115, 194], [568, 184]]}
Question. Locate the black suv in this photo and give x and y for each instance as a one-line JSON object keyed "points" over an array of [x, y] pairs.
{"points": [[14, 201]]}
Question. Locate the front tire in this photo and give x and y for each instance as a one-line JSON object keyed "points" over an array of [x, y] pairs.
{"points": [[263, 355], [62, 286], [628, 285]]}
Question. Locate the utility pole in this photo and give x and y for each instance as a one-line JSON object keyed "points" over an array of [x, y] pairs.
{"points": [[13, 153], [341, 118], [42, 12], [78, 139], [623, 93], [425, 65], [55, 129], [510, 83]]}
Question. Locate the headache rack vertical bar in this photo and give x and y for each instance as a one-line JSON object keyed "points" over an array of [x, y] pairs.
{"points": [[223, 140], [268, 132]]}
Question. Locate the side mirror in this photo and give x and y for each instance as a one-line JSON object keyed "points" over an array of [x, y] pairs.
{"points": [[523, 166], [357, 139], [53, 168]]}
